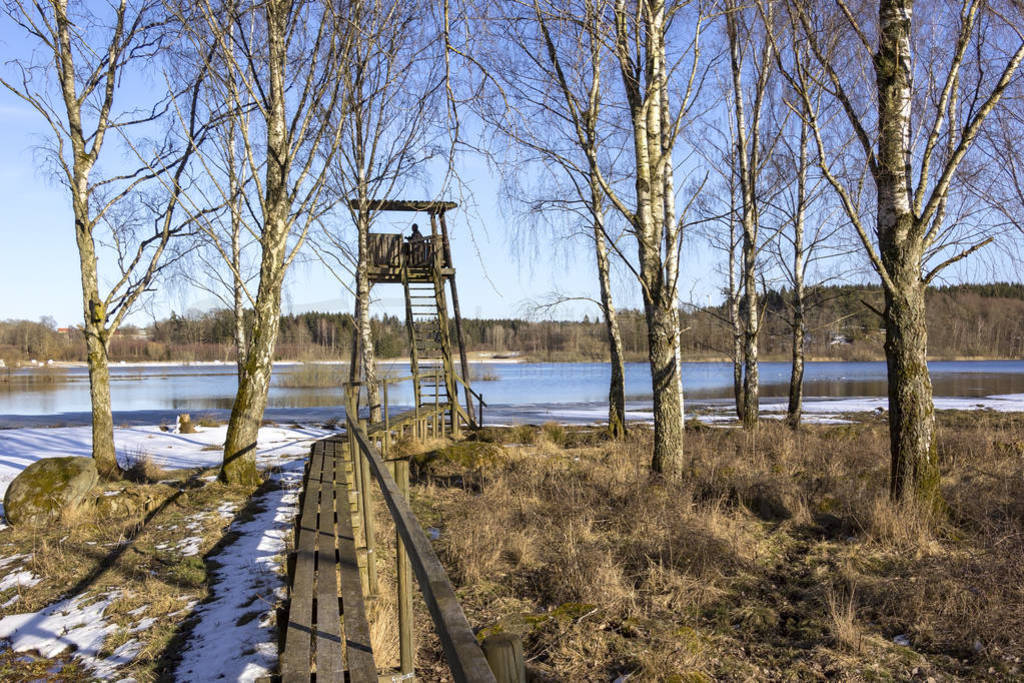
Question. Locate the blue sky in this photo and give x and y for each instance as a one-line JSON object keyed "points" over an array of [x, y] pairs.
{"points": [[497, 276], [39, 272]]}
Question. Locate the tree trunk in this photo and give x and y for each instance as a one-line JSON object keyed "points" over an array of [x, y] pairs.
{"points": [[239, 465], [915, 469], [747, 164], [796, 373], [251, 401], [751, 385], [239, 331], [662, 328], [365, 367], [99, 395], [734, 318], [656, 234], [95, 318], [617, 385], [237, 279]]}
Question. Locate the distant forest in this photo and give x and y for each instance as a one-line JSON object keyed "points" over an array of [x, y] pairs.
{"points": [[963, 321]]}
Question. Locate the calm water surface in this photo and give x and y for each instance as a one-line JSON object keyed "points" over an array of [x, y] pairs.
{"points": [[211, 388]]}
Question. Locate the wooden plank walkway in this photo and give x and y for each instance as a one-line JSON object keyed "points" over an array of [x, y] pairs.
{"points": [[327, 636], [327, 633]]}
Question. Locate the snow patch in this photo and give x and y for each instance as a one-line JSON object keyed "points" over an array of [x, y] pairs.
{"points": [[227, 510], [247, 579], [23, 446], [142, 625], [13, 558], [189, 546], [76, 623], [22, 579]]}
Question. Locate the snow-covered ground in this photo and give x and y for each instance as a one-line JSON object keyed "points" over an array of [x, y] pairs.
{"points": [[19, 448], [246, 582]]}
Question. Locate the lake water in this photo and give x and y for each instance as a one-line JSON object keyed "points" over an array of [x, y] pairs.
{"points": [[145, 394]]}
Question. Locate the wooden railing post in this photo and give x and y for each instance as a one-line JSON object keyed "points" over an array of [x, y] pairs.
{"points": [[504, 653], [369, 524], [386, 448], [437, 399], [463, 653], [406, 645]]}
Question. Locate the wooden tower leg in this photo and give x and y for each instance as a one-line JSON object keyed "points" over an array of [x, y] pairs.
{"points": [[460, 339]]}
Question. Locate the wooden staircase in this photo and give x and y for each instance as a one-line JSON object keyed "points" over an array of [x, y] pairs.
{"points": [[424, 267], [430, 342]]}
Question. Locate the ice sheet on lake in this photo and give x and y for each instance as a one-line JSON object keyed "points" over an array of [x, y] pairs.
{"points": [[815, 410]]}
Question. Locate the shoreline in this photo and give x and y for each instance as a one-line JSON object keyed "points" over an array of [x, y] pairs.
{"points": [[477, 360], [227, 363], [820, 410]]}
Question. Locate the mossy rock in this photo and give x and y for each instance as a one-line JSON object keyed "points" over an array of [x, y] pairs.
{"points": [[47, 488], [465, 455], [525, 623]]}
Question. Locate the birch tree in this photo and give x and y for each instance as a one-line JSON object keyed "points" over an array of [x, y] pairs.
{"points": [[916, 111], [281, 63], [751, 62], [124, 189], [639, 46], [546, 58], [808, 239]]}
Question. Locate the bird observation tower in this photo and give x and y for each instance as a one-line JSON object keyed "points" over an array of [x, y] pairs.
{"points": [[422, 264]]}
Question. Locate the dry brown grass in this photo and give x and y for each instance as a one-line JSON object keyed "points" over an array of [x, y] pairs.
{"points": [[139, 467], [137, 555], [842, 610], [778, 554]]}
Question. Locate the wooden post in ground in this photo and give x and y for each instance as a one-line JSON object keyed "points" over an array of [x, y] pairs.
{"points": [[369, 524], [386, 447], [504, 653], [406, 645], [437, 378]]}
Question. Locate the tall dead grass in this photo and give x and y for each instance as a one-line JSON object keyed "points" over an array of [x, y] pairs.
{"points": [[606, 570]]}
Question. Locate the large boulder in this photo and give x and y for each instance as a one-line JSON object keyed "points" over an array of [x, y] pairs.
{"points": [[46, 488]]}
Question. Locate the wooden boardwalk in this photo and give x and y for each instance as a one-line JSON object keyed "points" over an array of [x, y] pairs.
{"points": [[327, 636], [325, 562]]}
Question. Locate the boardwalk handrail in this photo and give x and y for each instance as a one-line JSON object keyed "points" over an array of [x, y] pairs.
{"points": [[470, 389], [463, 653]]}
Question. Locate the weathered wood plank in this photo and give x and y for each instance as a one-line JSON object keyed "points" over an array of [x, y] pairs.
{"points": [[358, 650], [329, 664], [404, 205], [464, 655], [295, 661]]}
